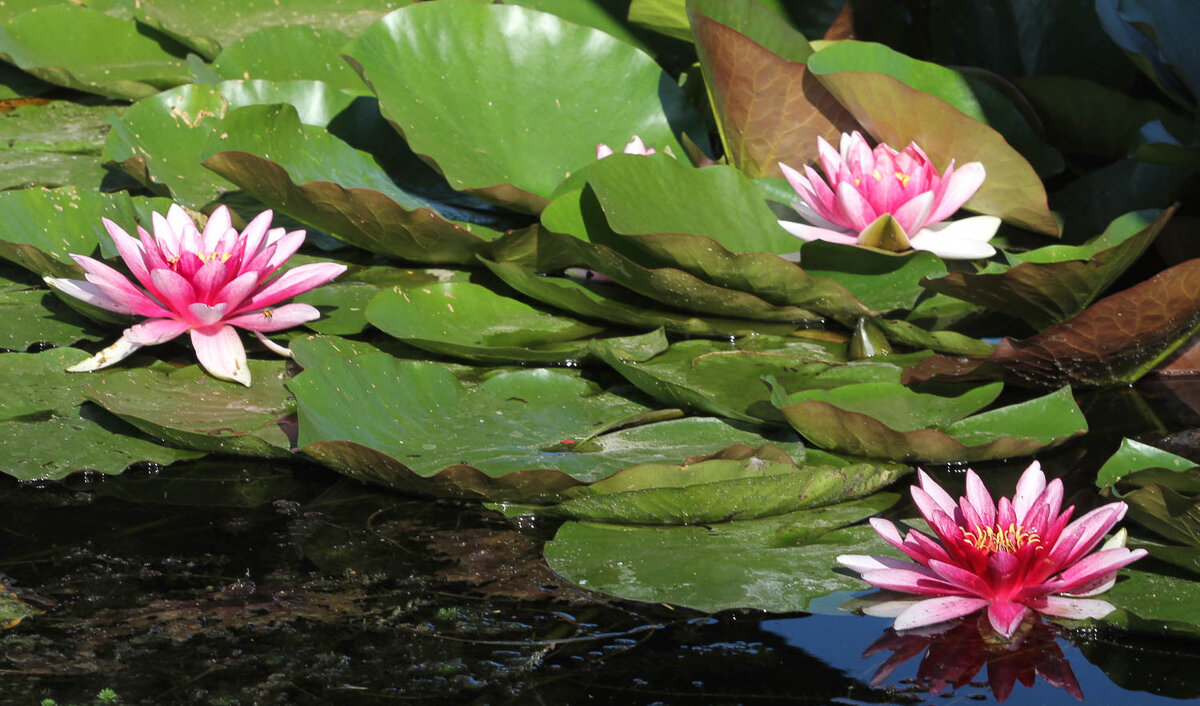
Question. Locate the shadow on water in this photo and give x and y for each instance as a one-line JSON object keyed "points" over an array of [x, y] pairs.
{"points": [[235, 583]]}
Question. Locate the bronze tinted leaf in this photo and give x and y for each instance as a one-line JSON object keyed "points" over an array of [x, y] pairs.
{"points": [[770, 108]]}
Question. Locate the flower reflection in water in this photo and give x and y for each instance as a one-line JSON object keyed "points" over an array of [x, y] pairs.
{"points": [[954, 654]]}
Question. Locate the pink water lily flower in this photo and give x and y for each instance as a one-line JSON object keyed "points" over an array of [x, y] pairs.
{"points": [[205, 284], [889, 199], [1012, 557], [635, 146]]}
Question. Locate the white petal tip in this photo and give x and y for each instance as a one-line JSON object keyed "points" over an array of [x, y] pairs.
{"points": [[115, 353]]}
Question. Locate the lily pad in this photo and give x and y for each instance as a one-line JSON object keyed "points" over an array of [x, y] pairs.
{"points": [[697, 267], [105, 55], [37, 382], [1135, 456], [290, 53], [612, 303], [889, 421], [191, 409], [657, 194], [769, 108], [84, 438], [1013, 191], [40, 228], [473, 322], [725, 378], [34, 315], [270, 153], [522, 435], [208, 26], [882, 281], [1052, 284], [780, 564], [721, 490], [56, 126], [577, 85], [1114, 341], [159, 140], [26, 170]]}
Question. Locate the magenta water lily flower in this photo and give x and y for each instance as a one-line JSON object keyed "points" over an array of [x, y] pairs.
{"points": [[889, 199], [635, 146], [1010, 558], [205, 284]]}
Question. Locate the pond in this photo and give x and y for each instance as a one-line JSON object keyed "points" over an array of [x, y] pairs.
{"points": [[233, 582]]}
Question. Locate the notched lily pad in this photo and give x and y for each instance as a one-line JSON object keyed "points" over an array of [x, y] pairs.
{"points": [[890, 421], [269, 152], [192, 409], [577, 85], [779, 564], [86, 438], [715, 490], [470, 321], [523, 435], [771, 109], [1162, 491]]}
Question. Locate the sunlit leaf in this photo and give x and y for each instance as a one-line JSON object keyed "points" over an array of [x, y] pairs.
{"points": [[570, 87]]}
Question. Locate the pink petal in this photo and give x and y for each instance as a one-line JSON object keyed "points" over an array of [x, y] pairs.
{"points": [[90, 293], [209, 279], [1029, 488], [966, 581], [205, 315], [237, 290], [911, 578], [807, 232], [252, 237], [293, 282], [980, 499], [958, 185], [1005, 617], [131, 251], [276, 319], [853, 208], [913, 215], [219, 224], [174, 291], [220, 352], [285, 247], [1092, 567], [184, 227], [168, 240], [937, 610], [155, 331], [118, 351], [964, 239], [1073, 608], [936, 493]]}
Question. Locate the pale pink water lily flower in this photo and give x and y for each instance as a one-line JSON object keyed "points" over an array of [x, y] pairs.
{"points": [[1009, 557], [204, 284], [889, 199], [635, 146]]}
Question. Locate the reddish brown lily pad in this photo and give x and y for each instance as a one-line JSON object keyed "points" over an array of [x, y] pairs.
{"points": [[771, 109], [1115, 341]]}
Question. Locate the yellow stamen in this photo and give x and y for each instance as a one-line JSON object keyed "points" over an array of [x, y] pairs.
{"points": [[877, 175], [1001, 539], [902, 178]]}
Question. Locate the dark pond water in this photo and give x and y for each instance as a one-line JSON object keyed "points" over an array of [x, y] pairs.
{"points": [[235, 583]]}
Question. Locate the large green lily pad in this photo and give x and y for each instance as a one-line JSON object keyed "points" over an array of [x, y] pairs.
{"points": [[892, 422], [273, 155], [657, 194], [1013, 191], [159, 140], [725, 378], [544, 93], [770, 109], [471, 321], [206, 27], [714, 490], [521, 435], [53, 446], [290, 53], [40, 228], [780, 564], [34, 315], [607, 301], [1052, 284], [105, 55], [191, 409]]}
